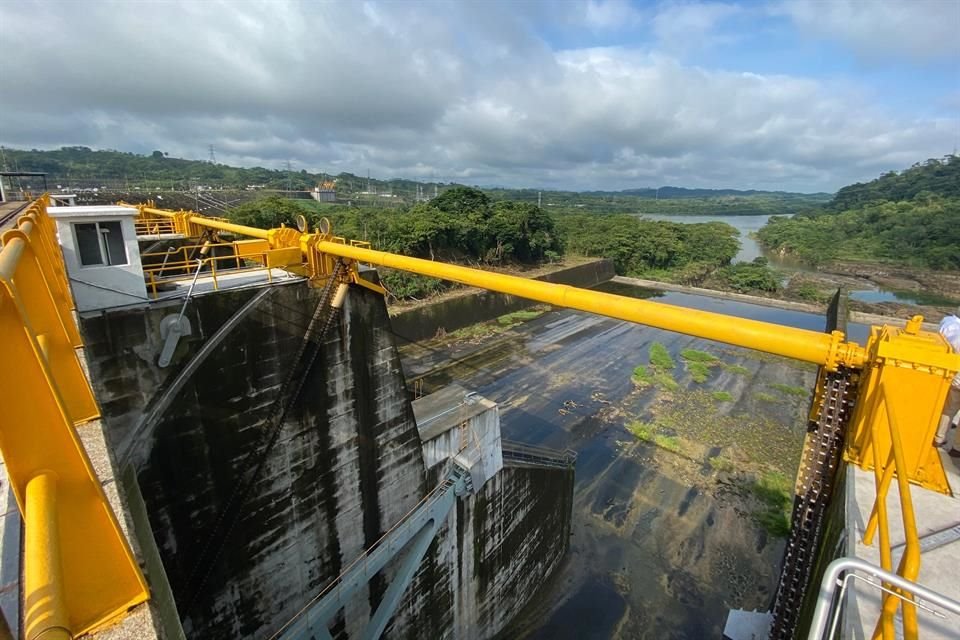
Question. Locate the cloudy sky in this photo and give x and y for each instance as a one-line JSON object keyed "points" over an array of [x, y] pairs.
{"points": [[579, 94]]}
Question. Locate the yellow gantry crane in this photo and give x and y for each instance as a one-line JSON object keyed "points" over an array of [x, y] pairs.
{"points": [[900, 380]]}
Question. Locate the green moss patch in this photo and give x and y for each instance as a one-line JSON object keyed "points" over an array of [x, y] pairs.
{"points": [[789, 390], [722, 396], [660, 357]]}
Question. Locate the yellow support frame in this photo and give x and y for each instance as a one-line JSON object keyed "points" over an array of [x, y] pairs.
{"points": [[917, 368], [908, 372], [79, 571]]}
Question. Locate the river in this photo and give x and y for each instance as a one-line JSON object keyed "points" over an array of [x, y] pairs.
{"points": [[750, 249], [746, 225]]}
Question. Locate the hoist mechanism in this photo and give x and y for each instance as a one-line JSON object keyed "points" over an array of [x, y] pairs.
{"points": [[911, 369]]}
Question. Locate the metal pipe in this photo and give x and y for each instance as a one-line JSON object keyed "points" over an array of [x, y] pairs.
{"points": [[45, 616], [243, 230], [828, 587], [809, 346], [800, 344]]}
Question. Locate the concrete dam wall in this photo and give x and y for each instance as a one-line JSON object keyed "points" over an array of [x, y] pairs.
{"points": [[421, 323], [247, 523]]}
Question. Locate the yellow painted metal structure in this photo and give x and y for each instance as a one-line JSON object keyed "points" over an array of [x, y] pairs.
{"points": [[46, 615], [79, 571], [916, 365], [908, 372], [884, 470]]}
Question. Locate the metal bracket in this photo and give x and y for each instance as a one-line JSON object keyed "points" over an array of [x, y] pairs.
{"points": [[409, 539]]}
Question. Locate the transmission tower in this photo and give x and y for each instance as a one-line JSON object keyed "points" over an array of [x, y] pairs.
{"points": [[213, 155]]}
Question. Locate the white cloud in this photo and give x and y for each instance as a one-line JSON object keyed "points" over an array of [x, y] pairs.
{"points": [[685, 26], [428, 90], [610, 14], [881, 29]]}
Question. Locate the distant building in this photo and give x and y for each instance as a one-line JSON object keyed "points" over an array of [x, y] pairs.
{"points": [[325, 191]]}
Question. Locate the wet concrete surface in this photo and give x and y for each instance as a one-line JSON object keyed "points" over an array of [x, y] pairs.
{"points": [[663, 542]]}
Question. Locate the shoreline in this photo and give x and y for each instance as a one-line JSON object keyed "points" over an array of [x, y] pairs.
{"points": [[776, 303]]}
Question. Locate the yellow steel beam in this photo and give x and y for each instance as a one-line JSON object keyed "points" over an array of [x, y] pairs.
{"points": [[73, 532], [810, 346], [829, 350], [197, 219], [45, 615]]}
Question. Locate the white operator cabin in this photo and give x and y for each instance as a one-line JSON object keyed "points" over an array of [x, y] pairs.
{"points": [[102, 257]]}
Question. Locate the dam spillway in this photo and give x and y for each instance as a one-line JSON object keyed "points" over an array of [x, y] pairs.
{"points": [[348, 464]]}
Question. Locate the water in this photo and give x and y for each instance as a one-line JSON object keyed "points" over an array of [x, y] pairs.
{"points": [[907, 297], [749, 248], [657, 549], [786, 317]]}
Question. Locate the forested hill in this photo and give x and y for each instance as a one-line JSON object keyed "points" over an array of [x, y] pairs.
{"points": [[908, 218], [82, 167], [939, 177]]}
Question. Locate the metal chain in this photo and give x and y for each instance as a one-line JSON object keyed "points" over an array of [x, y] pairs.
{"points": [[282, 405], [818, 472]]}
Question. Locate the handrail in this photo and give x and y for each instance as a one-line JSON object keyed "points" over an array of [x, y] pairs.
{"points": [[518, 451], [186, 264], [909, 566], [79, 571], [831, 580], [46, 614]]}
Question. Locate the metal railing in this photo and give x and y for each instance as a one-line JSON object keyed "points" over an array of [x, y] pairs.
{"points": [[78, 570], [909, 566], [543, 456], [830, 604], [154, 226], [164, 267]]}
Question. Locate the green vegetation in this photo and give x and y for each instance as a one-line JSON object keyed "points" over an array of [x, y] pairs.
{"points": [[520, 316], [668, 201], [809, 292], [694, 355], [699, 363], [648, 433], [786, 389], [746, 277], [910, 218], [79, 167], [765, 397], [642, 376], [664, 380], [775, 492], [660, 250], [759, 438], [641, 430], [460, 224], [670, 443], [722, 396], [699, 372], [659, 372], [660, 357], [735, 369]]}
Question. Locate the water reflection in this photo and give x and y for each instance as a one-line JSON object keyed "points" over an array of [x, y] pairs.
{"points": [[798, 319]]}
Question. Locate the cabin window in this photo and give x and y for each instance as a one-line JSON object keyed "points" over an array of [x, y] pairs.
{"points": [[100, 243]]}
